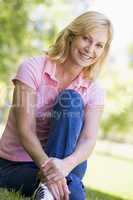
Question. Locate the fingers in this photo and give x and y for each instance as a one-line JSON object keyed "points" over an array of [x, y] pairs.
{"points": [[59, 190], [66, 191], [49, 174], [63, 189], [43, 176], [50, 178], [54, 177], [54, 190]]}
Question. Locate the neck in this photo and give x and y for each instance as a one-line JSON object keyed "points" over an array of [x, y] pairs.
{"points": [[69, 69]]}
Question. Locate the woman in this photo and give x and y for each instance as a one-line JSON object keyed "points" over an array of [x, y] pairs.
{"points": [[57, 105]]}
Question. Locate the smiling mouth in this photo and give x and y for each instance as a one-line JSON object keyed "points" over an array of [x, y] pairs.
{"points": [[85, 56]]}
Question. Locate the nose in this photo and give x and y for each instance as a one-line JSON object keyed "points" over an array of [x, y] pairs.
{"points": [[90, 49]]}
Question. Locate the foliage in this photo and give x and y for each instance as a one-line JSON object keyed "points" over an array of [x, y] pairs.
{"points": [[117, 119], [22, 34], [13, 22], [130, 54]]}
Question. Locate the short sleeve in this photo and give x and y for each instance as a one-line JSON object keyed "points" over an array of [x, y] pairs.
{"points": [[30, 72], [97, 95]]}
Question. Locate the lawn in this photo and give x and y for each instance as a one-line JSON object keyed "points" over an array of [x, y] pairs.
{"points": [[91, 195], [110, 175]]}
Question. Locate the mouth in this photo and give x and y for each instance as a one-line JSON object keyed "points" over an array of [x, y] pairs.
{"points": [[85, 56]]}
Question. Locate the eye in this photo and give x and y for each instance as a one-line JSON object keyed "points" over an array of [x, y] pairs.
{"points": [[100, 46], [85, 38]]}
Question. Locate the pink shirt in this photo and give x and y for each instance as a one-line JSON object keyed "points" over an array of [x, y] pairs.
{"points": [[39, 74]]}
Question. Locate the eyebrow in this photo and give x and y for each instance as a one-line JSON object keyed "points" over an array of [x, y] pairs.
{"points": [[103, 43]]}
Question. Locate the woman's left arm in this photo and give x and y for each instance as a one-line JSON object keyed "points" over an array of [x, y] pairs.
{"points": [[58, 168], [87, 138]]}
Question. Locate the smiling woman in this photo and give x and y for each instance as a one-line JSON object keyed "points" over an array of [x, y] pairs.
{"points": [[54, 120], [93, 27], [86, 50]]}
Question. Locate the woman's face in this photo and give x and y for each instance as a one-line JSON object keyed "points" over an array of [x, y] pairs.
{"points": [[86, 50]]}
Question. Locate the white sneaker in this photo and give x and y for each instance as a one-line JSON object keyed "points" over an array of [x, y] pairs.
{"points": [[42, 193]]}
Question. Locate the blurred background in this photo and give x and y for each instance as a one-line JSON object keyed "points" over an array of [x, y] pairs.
{"points": [[27, 28]]}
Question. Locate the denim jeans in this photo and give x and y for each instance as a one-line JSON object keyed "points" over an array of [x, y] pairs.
{"points": [[66, 125]]}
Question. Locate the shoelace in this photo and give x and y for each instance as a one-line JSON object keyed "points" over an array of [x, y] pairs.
{"points": [[41, 193]]}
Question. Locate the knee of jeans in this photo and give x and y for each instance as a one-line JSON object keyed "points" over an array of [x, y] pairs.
{"points": [[76, 188], [69, 98], [80, 170]]}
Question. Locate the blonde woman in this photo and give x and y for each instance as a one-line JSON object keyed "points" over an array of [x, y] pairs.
{"points": [[57, 106]]}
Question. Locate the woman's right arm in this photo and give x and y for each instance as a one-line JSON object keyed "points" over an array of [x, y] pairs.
{"points": [[24, 107], [24, 104]]}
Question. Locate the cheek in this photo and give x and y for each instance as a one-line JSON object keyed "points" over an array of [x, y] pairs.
{"points": [[74, 50], [79, 44], [99, 52]]}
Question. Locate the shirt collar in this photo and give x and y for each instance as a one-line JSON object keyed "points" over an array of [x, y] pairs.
{"points": [[50, 69]]}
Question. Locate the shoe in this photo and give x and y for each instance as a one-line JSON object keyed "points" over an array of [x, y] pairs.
{"points": [[42, 193]]}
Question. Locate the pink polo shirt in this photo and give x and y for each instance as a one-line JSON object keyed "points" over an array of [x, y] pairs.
{"points": [[39, 74]]}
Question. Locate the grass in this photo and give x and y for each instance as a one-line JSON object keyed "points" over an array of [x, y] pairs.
{"points": [[97, 195], [91, 195], [110, 175], [6, 195]]}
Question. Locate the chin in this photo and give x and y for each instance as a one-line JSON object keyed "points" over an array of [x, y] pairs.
{"points": [[81, 63]]}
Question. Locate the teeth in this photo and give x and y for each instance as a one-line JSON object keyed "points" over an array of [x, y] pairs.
{"points": [[85, 56]]}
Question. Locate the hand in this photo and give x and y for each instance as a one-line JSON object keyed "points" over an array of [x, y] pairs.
{"points": [[51, 173], [59, 190], [55, 169]]}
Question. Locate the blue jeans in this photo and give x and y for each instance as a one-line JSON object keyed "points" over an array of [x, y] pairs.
{"points": [[66, 125]]}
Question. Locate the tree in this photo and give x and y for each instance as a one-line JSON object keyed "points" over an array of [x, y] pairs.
{"points": [[13, 23]]}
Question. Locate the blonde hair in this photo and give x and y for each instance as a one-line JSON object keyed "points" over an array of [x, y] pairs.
{"points": [[82, 25]]}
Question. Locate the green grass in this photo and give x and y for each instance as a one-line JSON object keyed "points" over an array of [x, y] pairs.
{"points": [[5, 195], [91, 195], [110, 175], [97, 195]]}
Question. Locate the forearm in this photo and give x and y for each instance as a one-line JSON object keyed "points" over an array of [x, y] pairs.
{"points": [[81, 153], [24, 110], [33, 147], [87, 138]]}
